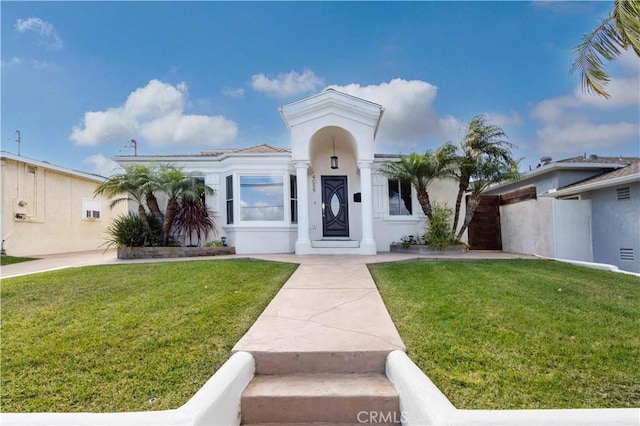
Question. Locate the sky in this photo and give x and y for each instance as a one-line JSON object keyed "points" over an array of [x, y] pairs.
{"points": [[81, 79]]}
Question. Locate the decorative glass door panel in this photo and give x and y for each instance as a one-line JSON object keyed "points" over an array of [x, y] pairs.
{"points": [[335, 206]]}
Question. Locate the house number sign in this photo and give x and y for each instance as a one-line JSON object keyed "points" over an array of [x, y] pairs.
{"points": [[313, 183]]}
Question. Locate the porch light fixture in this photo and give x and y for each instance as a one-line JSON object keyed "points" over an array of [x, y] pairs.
{"points": [[334, 159]]}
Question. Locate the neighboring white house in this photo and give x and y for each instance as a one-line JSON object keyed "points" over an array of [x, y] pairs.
{"points": [[324, 194], [50, 209], [587, 208]]}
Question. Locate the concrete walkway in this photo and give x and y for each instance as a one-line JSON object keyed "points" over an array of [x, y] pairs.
{"points": [[329, 306]]}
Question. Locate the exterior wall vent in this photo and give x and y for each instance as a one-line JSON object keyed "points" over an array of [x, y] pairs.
{"points": [[627, 254], [31, 169], [623, 193]]}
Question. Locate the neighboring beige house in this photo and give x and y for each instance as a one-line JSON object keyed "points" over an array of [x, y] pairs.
{"points": [[51, 209]]}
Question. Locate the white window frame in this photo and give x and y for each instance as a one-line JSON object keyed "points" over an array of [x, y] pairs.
{"points": [[413, 203], [285, 201], [91, 209]]}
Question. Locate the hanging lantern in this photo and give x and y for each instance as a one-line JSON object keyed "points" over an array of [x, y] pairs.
{"points": [[334, 158]]}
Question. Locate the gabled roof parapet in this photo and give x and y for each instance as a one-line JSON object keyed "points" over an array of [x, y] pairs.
{"points": [[332, 101], [215, 155], [50, 166], [619, 176]]}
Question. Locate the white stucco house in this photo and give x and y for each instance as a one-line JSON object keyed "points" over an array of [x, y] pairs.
{"points": [[323, 194]]}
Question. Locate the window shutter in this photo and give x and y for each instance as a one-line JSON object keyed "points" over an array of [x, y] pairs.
{"points": [[380, 196]]}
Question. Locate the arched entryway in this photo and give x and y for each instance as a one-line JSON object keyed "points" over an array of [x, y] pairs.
{"points": [[317, 124]]}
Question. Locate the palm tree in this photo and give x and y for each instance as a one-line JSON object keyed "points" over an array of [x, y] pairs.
{"points": [[460, 162], [178, 186], [132, 185], [488, 170], [607, 41], [418, 169]]}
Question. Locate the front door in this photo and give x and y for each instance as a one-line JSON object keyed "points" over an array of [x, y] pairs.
{"points": [[335, 206]]}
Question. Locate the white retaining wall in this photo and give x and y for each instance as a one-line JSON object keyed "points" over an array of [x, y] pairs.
{"points": [[422, 403], [216, 403]]}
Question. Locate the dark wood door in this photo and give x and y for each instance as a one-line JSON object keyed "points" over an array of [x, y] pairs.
{"points": [[335, 206], [484, 229]]}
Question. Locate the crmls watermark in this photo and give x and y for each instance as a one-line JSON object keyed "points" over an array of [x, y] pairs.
{"points": [[381, 417]]}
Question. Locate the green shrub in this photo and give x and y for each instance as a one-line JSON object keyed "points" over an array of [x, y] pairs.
{"points": [[439, 234], [129, 231], [216, 243]]}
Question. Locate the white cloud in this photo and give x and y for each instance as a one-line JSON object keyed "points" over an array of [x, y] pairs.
{"points": [[36, 64], [503, 120], [154, 114], [409, 112], [629, 62], [12, 62], [46, 32], [102, 165], [286, 84], [233, 93], [585, 136], [577, 122]]}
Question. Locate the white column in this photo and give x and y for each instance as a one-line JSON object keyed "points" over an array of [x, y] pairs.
{"points": [[367, 244], [303, 244]]}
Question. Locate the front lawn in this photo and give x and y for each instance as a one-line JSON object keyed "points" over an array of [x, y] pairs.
{"points": [[518, 334], [126, 337], [8, 260]]}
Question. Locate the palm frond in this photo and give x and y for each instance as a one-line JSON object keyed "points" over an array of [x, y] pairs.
{"points": [[626, 14], [606, 42]]}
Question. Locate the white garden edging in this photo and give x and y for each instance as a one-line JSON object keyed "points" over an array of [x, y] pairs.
{"points": [[422, 403], [216, 403], [592, 265]]}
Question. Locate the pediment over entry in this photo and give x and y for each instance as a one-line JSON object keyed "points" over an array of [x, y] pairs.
{"points": [[359, 117], [331, 101]]}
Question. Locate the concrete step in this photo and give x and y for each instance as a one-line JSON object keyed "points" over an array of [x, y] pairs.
{"points": [[315, 362], [320, 398], [335, 243]]}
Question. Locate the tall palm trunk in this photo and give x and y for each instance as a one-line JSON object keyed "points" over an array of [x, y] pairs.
{"points": [[472, 206], [425, 203], [456, 215], [145, 222], [154, 208], [167, 224]]}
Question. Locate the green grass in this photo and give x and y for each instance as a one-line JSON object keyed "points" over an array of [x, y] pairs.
{"points": [[112, 338], [519, 334], [8, 260]]}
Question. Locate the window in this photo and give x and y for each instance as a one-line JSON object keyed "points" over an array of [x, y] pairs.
{"points": [[230, 199], [399, 198], [261, 198], [293, 188], [90, 209]]}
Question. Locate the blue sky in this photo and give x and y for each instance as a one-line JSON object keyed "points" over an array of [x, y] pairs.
{"points": [[80, 79]]}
